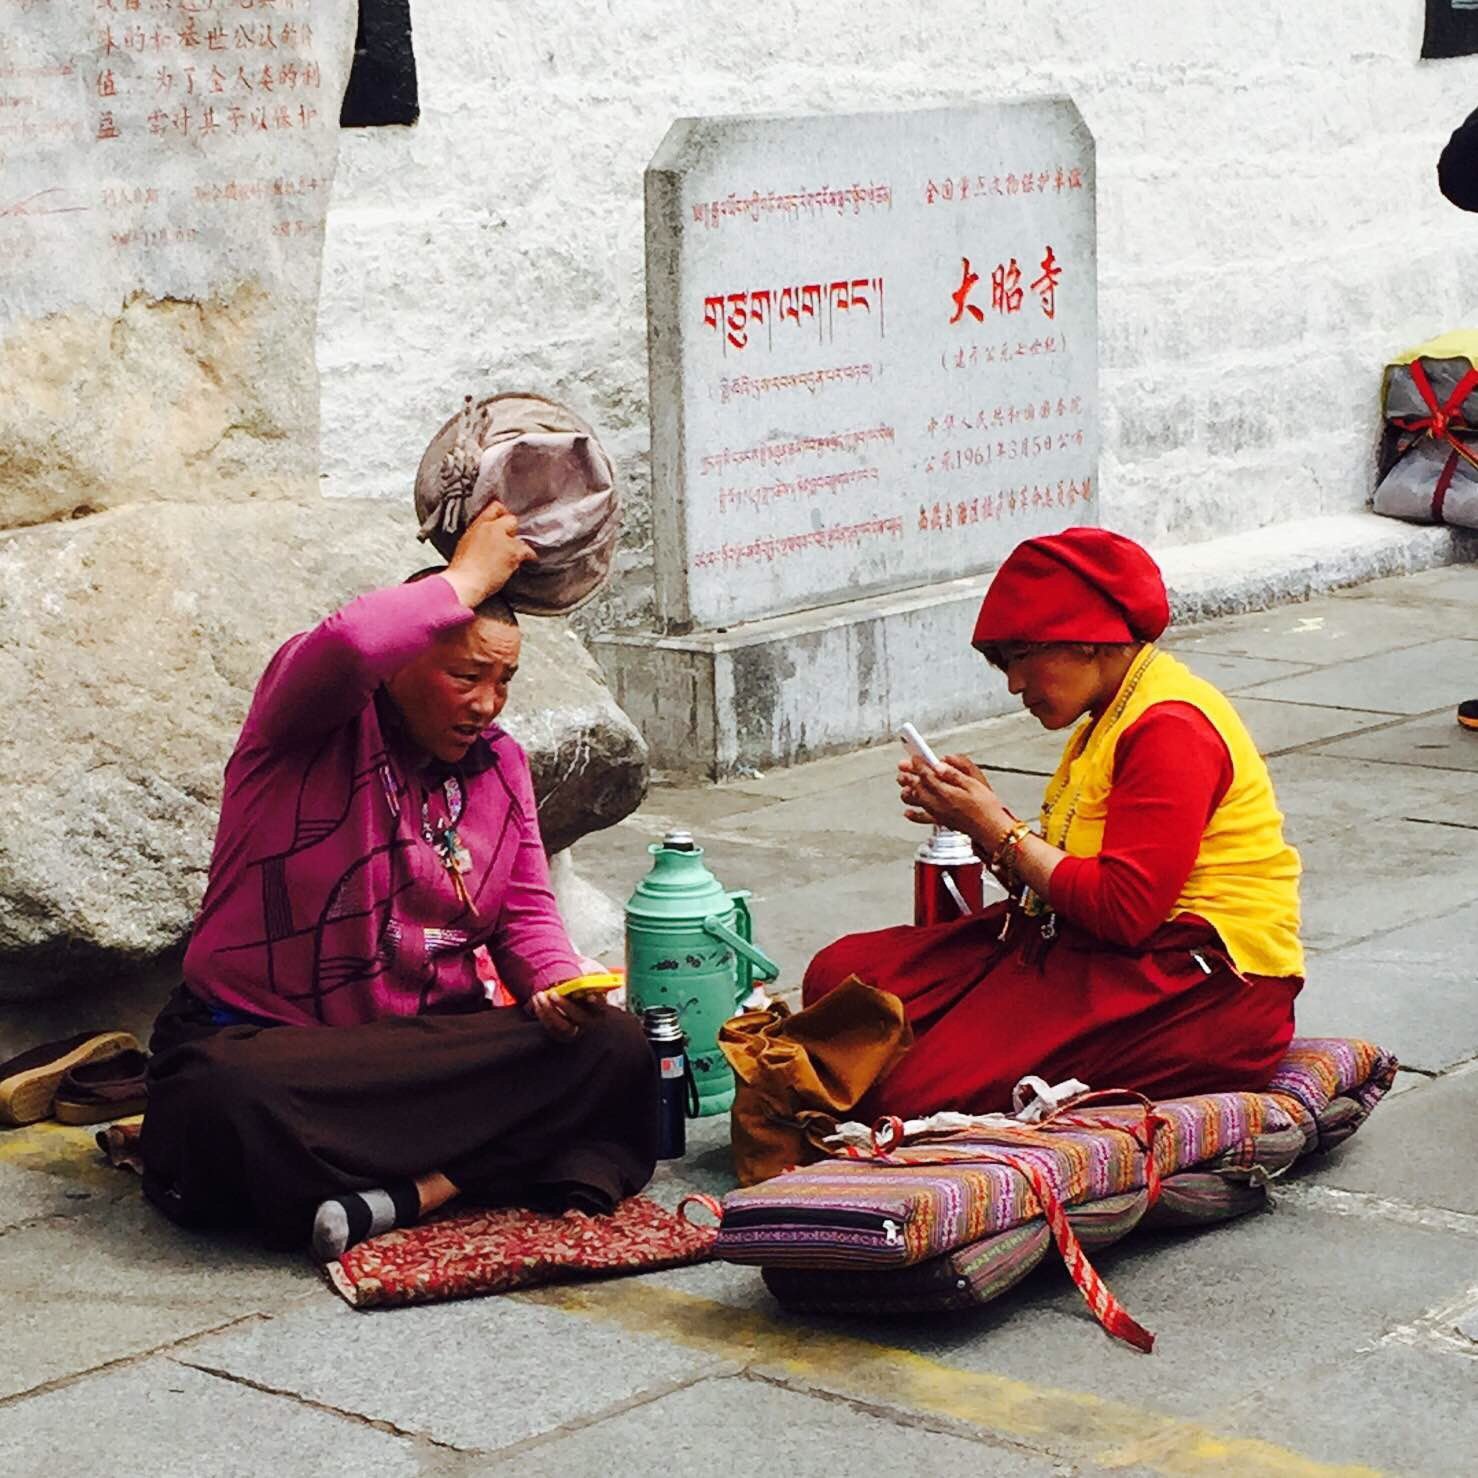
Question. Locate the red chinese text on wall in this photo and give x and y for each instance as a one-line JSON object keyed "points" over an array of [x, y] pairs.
{"points": [[1006, 292], [949, 189], [951, 516]]}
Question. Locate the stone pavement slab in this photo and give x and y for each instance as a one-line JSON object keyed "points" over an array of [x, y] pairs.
{"points": [[118, 1280], [751, 1429], [31, 1195], [1448, 585], [862, 818], [1234, 673], [1434, 740], [1330, 629], [1248, 1305], [1241, 1308], [1278, 727], [1019, 742], [1407, 1411], [1024, 1371], [476, 1375], [837, 857], [1417, 1150], [1409, 988], [160, 1419], [1380, 875], [1410, 680], [794, 882]]}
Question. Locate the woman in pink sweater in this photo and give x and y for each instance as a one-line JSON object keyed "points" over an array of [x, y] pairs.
{"points": [[331, 1062]]}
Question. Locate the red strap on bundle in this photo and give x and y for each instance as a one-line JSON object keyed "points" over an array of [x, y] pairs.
{"points": [[710, 1204], [1439, 423], [1110, 1313]]}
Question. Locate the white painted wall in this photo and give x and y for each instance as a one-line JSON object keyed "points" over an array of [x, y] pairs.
{"points": [[1269, 222]]}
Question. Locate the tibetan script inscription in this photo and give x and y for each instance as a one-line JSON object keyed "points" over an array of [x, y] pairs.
{"points": [[884, 388]]}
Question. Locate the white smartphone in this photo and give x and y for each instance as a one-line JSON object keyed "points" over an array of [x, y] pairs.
{"points": [[915, 744]]}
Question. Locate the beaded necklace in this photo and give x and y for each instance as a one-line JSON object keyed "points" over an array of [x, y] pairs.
{"points": [[1093, 737], [444, 838]]}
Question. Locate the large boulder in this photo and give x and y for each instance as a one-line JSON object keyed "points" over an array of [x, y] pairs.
{"points": [[130, 642], [202, 400], [162, 253]]}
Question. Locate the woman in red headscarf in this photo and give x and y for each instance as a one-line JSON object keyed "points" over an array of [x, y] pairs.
{"points": [[1150, 940]]}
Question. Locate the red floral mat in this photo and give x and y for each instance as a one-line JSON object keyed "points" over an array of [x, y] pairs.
{"points": [[476, 1252]]}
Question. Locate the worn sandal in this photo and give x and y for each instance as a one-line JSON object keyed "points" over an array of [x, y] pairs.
{"points": [[28, 1083], [106, 1088]]}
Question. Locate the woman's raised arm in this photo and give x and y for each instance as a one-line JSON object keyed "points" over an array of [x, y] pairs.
{"points": [[324, 677]]}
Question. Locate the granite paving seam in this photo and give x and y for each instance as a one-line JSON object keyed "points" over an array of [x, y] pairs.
{"points": [[645, 1397], [1435, 821], [1384, 932], [1081, 1427], [1305, 702], [1314, 1197], [380, 1424], [898, 1416], [1393, 721], [1375, 759], [58, 1382]]}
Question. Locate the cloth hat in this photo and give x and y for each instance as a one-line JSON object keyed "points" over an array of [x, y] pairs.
{"points": [[1083, 584], [548, 468]]}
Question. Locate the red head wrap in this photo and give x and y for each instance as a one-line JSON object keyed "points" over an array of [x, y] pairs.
{"points": [[1083, 585]]}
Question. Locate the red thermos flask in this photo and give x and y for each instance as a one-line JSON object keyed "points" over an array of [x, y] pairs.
{"points": [[948, 878]]}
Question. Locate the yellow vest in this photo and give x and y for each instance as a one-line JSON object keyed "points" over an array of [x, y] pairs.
{"points": [[1245, 878]]}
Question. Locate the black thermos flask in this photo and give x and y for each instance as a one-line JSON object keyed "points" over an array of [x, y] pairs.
{"points": [[677, 1087]]}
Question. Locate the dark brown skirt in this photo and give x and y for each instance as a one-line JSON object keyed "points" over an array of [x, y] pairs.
{"points": [[253, 1126]]}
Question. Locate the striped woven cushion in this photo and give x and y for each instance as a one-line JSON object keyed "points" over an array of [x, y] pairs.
{"points": [[960, 1279], [930, 1199]]}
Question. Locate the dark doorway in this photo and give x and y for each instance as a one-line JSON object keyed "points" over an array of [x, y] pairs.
{"points": [[382, 81]]}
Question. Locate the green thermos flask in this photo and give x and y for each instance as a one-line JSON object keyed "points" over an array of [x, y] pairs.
{"points": [[689, 945]]}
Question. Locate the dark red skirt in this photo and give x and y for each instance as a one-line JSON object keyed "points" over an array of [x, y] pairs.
{"points": [[1170, 1018]]}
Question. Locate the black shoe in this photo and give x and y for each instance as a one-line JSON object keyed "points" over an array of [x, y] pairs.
{"points": [[1467, 714]]}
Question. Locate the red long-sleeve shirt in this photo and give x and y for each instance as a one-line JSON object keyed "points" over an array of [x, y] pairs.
{"points": [[1171, 770]]}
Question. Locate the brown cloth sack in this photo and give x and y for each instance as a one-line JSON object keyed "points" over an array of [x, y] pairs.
{"points": [[798, 1075]]}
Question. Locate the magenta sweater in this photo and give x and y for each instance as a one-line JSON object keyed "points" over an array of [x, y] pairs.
{"points": [[325, 904]]}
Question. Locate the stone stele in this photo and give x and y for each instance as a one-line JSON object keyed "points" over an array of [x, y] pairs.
{"points": [[873, 345], [164, 177], [130, 643]]}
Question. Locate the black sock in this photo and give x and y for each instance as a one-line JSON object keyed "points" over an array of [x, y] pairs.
{"points": [[341, 1221]]}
